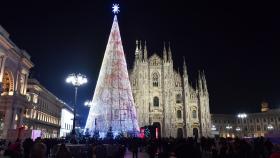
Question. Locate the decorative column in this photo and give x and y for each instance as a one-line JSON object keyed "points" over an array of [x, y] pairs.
{"points": [[25, 83], [7, 121], [2, 66]]}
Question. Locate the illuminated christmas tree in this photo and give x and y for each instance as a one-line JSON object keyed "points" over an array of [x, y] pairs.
{"points": [[112, 106]]}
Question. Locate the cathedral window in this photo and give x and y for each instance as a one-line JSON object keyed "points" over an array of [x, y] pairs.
{"points": [[179, 114], [178, 98], [194, 114], [155, 79], [155, 62], [35, 98], [156, 101], [134, 82]]}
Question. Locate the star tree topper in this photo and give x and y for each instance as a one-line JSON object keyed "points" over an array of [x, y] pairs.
{"points": [[116, 8]]}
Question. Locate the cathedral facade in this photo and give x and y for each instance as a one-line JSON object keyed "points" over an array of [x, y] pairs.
{"points": [[166, 99]]}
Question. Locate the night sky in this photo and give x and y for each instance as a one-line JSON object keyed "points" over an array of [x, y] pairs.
{"points": [[235, 42]]}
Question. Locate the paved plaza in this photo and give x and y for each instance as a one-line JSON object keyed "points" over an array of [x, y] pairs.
{"points": [[128, 154]]}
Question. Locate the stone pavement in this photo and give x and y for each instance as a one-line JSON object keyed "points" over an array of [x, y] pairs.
{"points": [[128, 154]]}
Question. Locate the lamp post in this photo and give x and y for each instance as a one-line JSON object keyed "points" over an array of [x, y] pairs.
{"points": [[76, 80], [213, 128], [270, 127], [242, 116], [228, 127], [88, 103]]}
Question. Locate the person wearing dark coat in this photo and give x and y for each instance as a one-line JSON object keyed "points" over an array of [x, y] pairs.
{"points": [[63, 152]]}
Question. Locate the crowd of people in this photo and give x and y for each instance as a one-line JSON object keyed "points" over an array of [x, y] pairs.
{"points": [[162, 148]]}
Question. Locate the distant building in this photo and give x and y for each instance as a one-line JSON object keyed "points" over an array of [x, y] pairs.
{"points": [[15, 64], [166, 98], [45, 111], [253, 125], [67, 116]]}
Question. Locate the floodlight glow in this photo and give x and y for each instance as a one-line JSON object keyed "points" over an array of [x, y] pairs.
{"points": [[88, 103], [228, 127], [238, 129], [213, 128], [242, 115], [270, 127]]}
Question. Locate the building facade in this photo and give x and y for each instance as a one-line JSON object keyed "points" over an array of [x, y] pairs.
{"points": [[15, 64], [166, 99], [45, 111], [67, 117], [265, 123]]}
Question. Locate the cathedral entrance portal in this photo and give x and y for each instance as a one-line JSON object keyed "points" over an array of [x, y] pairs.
{"points": [[195, 132], [157, 129], [179, 133]]}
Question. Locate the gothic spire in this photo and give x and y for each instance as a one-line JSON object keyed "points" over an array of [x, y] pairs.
{"points": [[164, 53], [169, 53], [145, 52], [200, 86], [137, 51], [185, 70], [204, 82], [185, 76], [140, 51]]}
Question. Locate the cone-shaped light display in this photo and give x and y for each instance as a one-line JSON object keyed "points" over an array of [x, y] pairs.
{"points": [[112, 104]]}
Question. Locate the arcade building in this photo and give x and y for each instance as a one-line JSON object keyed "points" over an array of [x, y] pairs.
{"points": [[24, 103]]}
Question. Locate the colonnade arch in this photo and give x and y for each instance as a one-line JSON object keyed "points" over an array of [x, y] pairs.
{"points": [[7, 83]]}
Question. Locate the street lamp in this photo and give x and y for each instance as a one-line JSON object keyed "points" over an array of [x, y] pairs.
{"points": [[270, 127], [238, 129], [228, 127], [213, 128], [242, 116], [88, 103], [76, 80]]}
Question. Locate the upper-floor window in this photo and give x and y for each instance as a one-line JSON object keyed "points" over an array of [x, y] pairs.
{"points": [[156, 101], [178, 83], [28, 97], [134, 82], [194, 114], [155, 79], [179, 114], [178, 98], [155, 62], [35, 98]]}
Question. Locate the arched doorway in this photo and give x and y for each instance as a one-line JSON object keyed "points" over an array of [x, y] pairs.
{"points": [[157, 128], [179, 133], [7, 83], [195, 132]]}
